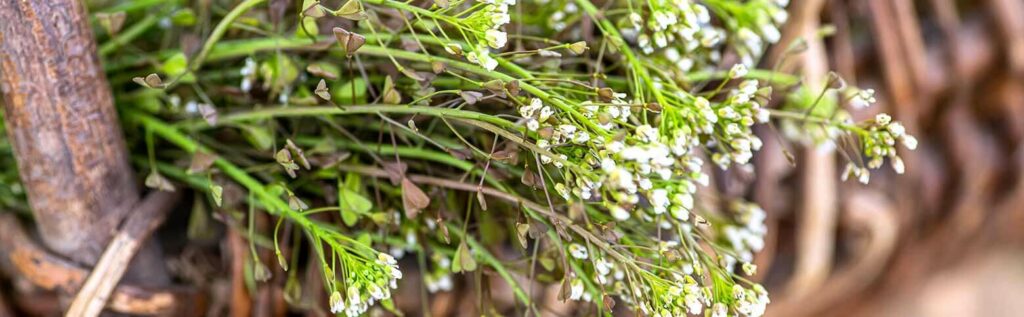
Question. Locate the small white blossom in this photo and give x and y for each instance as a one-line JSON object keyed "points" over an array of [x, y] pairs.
{"points": [[578, 251], [496, 38], [576, 289], [738, 71]]}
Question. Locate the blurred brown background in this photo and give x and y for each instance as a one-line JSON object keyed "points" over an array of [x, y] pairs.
{"points": [[945, 238]]}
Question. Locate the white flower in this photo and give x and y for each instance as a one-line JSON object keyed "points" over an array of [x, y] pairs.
{"points": [[608, 164], [770, 33], [645, 183], [545, 113], [481, 57], [863, 99], [376, 292], [748, 87], [532, 124], [780, 16], [576, 289], [337, 303], [737, 71], [619, 213], [496, 38], [749, 269], [386, 259], [659, 200], [684, 200], [603, 267], [578, 251], [763, 115], [664, 19], [896, 129], [246, 85], [660, 39], [567, 129], [499, 16], [636, 19], [444, 283], [750, 39], [646, 133], [693, 304], [909, 141], [897, 165], [711, 37], [719, 310], [581, 137], [883, 119]]}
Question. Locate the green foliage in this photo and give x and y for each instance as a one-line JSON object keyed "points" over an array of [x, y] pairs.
{"points": [[458, 121]]}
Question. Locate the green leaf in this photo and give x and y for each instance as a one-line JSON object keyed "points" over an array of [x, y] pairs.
{"points": [[463, 261], [277, 72], [547, 263], [350, 92], [258, 136], [352, 204], [307, 24], [177, 66], [184, 17], [390, 306], [365, 239]]}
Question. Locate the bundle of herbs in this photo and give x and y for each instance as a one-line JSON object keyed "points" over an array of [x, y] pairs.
{"points": [[436, 136]]}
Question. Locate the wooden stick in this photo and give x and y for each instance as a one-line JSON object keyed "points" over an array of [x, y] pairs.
{"points": [[817, 214], [62, 123], [115, 259]]}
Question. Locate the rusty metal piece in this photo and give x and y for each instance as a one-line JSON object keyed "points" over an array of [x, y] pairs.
{"points": [[22, 257]]}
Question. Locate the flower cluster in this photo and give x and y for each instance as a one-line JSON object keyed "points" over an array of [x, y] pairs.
{"points": [[860, 98], [676, 27], [683, 32], [756, 25], [739, 113], [746, 236], [370, 282], [557, 20], [748, 302], [485, 24], [439, 279], [878, 142]]}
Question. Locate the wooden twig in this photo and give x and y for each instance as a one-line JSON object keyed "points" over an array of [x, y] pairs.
{"points": [[817, 216], [22, 257], [115, 259], [1007, 17], [873, 215]]}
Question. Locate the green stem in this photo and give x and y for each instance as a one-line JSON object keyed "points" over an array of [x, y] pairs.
{"points": [[220, 29], [128, 35], [279, 112]]}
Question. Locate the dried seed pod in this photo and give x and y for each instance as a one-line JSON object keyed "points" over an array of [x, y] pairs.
{"points": [[351, 10], [578, 47], [350, 42], [321, 90], [389, 94]]}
